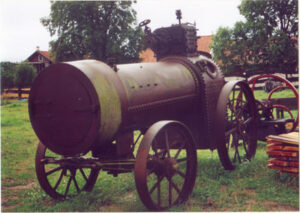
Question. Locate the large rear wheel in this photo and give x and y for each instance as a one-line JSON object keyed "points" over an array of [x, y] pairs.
{"points": [[236, 124], [166, 164]]}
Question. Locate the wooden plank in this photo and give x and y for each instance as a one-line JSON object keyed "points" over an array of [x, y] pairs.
{"points": [[283, 139], [284, 148], [292, 135], [282, 153], [284, 163], [285, 169], [274, 142], [285, 158]]}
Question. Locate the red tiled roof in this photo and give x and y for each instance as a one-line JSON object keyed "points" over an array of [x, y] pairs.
{"points": [[203, 43], [46, 54]]}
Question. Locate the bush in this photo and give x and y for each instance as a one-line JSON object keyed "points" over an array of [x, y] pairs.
{"points": [[8, 73], [25, 75]]}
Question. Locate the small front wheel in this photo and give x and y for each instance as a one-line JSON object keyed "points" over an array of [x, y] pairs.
{"points": [[166, 165], [59, 180]]}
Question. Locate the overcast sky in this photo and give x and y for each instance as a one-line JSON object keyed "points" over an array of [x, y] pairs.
{"points": [[22, 32]]}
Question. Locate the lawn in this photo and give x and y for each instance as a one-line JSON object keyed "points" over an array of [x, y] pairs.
{"points": [[251, 187]]}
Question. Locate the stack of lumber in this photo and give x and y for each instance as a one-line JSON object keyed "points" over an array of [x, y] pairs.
{"points": [[283, 151]]}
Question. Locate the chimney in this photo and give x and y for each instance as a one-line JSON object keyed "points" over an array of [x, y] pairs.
{"points": [[38, 48]]}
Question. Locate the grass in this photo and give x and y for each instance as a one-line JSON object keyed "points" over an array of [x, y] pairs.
{"points": [[251, 187]]}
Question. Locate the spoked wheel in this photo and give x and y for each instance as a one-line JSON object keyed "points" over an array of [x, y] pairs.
{"points": [[236, 124], [282, 84], [166, 165], [61, 181]]}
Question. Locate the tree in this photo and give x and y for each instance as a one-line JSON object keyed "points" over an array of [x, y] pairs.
{"points": [[25, 75], [266, 41], [94, 29], [8, 72]]}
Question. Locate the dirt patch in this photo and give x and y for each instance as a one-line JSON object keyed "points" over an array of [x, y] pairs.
{"points": [[110, 208], [6, 198], [273, 206], [31, 185], [129, 197]]}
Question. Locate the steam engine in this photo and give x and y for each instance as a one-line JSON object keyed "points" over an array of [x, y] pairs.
{"points": [[178, 104]]}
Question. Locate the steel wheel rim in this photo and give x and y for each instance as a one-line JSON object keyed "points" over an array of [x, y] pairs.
{"points": [[237, 121], [239, 141], [160, 179], [61, 182]]}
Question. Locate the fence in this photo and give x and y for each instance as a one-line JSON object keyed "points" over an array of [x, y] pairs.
{"points": [[15, 93]]}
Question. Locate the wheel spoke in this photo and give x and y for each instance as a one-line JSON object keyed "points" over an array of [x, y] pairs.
{"points": [[175, 186], [53, 170], [83, 174], [75, 183], [149, 172], [179, 150], [180, 173], [181, 160], [68, 186], [233, 94], [159, 179], [137, 139], [59, 179]]}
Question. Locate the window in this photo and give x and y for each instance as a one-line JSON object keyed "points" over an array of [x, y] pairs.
{"points": [[40, 58]]}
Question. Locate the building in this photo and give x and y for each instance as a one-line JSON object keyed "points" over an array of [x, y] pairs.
{"points": [[203, 43], [40, 59]]}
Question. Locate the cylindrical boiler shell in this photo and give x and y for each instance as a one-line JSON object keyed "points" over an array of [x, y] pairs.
{"points": [[71, 104], [76, 104]]}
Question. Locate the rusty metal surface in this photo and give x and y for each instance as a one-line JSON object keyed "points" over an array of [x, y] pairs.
{"points": [[74, 104], [165, 175], [209, 81], [236, 122], [156, 91], [59, 180], [179, 39], [64, 109], [288, 85]]}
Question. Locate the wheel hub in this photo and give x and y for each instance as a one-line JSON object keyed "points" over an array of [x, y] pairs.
{"points": [[163, 167]]}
